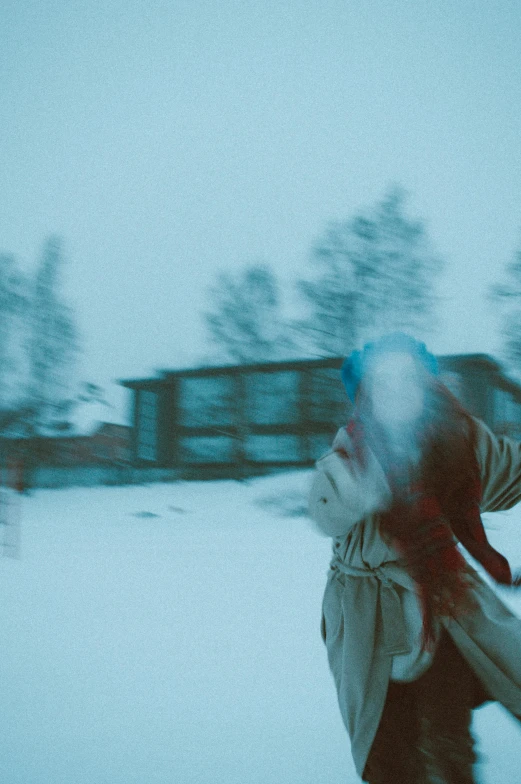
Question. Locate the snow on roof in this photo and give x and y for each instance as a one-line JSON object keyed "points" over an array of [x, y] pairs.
{"points": [[87, 418]]}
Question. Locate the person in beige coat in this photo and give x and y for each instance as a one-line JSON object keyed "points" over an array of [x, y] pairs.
{"points": [[415, 637]]}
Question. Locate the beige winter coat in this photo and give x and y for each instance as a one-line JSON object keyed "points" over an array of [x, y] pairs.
{"points": [[367, 624]]}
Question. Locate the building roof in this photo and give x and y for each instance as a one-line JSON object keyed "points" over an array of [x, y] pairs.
{"points": [[445, 360]]}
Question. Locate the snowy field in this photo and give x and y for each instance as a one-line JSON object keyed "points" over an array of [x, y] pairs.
{"points": [[169, 634]]}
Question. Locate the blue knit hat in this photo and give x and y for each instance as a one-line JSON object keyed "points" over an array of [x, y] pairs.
{"points": [[356, 363]]}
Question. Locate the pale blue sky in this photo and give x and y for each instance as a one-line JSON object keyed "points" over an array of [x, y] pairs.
{"points": [[166, 140]]}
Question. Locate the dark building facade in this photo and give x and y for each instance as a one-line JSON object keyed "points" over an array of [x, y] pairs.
{"points": [[262, 416], [108, 444]]}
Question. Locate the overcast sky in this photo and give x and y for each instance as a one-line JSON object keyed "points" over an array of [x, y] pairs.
{"points": [[166, 140]]}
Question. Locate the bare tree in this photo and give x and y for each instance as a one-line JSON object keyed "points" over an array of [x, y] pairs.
{"points": [[245, 319], [374, 273], [52, 345], [13, 308]]}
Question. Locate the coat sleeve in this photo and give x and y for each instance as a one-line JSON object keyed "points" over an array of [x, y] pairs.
{"points": [[341, 494], [499, 458]]}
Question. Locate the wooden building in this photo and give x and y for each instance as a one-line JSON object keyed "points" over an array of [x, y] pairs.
{"points": [[108, 444], [252, 418]]}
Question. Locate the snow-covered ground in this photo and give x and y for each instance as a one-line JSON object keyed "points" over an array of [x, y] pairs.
{"points": [[169, 634]]}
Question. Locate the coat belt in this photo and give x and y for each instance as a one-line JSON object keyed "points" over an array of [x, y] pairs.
{"points": [[388, 575]]}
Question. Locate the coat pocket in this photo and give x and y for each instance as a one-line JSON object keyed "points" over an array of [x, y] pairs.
{"points": [[323, 628], [332, 612]]}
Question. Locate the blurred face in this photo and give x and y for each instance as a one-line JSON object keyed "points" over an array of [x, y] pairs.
{"points": [[395, 390]]}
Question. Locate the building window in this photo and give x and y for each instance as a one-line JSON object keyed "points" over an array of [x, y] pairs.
{"points": [[207, 449], [454, 383], [273, 449], [206, 401], [319, 444], [272, 398], [327, 399], [507, 411], [147, 425]]}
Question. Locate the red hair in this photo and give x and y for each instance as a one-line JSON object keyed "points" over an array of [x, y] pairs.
{"points": [[439, 504]]}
